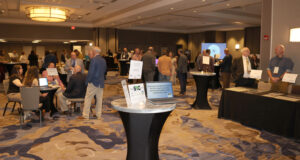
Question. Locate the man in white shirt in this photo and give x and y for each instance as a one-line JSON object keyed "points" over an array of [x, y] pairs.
{"points": [[241, 69], [71, 63]]}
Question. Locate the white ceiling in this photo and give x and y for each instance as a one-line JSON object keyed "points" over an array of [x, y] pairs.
{"points": [[179, 16]]}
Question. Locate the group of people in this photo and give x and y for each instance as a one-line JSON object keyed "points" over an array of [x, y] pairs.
{"points": [[239, 69], [79, 85], [168, 64]]}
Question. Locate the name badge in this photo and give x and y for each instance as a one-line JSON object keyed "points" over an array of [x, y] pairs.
{"points": [[276, 69]]}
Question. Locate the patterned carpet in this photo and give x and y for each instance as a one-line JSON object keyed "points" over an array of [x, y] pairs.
{"points": [[188, 134]]}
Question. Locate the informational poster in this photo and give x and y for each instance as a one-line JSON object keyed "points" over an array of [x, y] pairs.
{"points": [[126, 93], [52, 72], [205, 60], [290, 78], [255, 74], [135, 71], [137, 93]]}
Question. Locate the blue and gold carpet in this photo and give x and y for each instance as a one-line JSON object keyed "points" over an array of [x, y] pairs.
{"points": [[188, 134]]}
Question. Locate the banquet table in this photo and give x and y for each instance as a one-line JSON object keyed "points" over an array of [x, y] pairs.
{"points": [[265, 110]]}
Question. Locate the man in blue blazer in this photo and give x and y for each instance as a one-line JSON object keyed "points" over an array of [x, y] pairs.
{"points": [[95, 83]]}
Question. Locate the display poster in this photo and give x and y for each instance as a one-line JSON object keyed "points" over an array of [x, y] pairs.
{"points": [[255, 74], [290, 78], [205, 60], [137, 93], [135, 71]]}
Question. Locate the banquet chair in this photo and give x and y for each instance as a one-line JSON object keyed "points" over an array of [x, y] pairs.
{"points": [[30, 102], [9, 100], [73, 102]]}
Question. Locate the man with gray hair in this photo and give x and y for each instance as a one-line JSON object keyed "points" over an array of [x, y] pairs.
{"points": [[278, 66], [241, 68], [95, 83]]}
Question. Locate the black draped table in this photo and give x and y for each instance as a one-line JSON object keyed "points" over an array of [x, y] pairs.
{"points": [[274, 112], [51, 90], [124, 67], [143, 125], [9, 65], [202, 80]]}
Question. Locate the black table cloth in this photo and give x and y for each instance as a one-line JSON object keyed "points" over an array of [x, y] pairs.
{"points": [[271, 114], [124, 67], [202, 84]]}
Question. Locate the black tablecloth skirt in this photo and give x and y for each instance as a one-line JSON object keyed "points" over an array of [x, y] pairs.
{"points": [[270, 114]]}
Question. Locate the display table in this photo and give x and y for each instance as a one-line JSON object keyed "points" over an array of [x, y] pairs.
{"points": [[268, 111], [124, 67], [143, 126], [202, 83]]}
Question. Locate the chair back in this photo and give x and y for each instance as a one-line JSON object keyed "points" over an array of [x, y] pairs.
{"points": [[30, 98], [296, 89], [5, 85]]}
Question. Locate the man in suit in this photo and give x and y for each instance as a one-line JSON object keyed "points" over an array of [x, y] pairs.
{"points": [[148, 66], [95, 83], [125, 54], [75, 89], [182, 71], [241, 69], [71, 63]]}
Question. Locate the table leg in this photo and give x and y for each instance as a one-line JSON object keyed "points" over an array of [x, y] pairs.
{"points": [[202, 83], [142, 132]]}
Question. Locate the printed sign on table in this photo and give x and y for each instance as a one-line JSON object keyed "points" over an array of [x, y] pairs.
{"points": [[135, 71], [289, 77], [137, 93], [52, 72], [126, 93], [255, 74]]}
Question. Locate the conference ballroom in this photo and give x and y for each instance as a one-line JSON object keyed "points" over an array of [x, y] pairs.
{"points": [[149, 80]]}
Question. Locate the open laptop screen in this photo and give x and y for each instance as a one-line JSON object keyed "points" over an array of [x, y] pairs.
{"points": [[43, 82], [157, 90]]}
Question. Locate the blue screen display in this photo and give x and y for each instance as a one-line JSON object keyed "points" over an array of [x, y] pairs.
{"points": [[156, 90], [215, 48]]}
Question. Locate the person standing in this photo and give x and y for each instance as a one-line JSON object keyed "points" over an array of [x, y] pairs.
{"points": [[241, 68], [164, 65], [49, 58], [71, 63], [209, 66], [33, 59], [125, 54], [148, 66], [137, 56], [95, 83], [225, 66], [174, 67], [182, 71], [278, 66]]}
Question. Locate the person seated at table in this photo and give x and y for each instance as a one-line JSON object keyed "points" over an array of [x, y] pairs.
{"points": [[31, 80], [203, 65], [15, 82], [54, 80], [278, 66], [76, 89], [71, 63], [241, 68], [164, 65]]}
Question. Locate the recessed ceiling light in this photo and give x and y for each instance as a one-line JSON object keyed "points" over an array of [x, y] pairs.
{"points": [[237, 22], [227, 4], [171, 8], [203, 0], [66, 42], [195, 11], [91, 44], [3, 40], [139, 17], [36, 41], [73, 41]]}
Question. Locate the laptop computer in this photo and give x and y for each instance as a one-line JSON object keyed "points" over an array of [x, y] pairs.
{"points": [[43, 82], [160, 93]]}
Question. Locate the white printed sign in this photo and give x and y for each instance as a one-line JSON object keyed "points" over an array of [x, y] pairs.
{"points": [[255, 74], [135, 71], [126, 93], [52, 72], [137, 93], [205, 60], [289, 77]]}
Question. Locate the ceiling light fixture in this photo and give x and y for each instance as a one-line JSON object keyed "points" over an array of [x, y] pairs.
{"points": [[203, 0], [73, 41], [3, 40], [47, 14], [66, 42], [227, 4], [171, 8], [36, 41]]}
